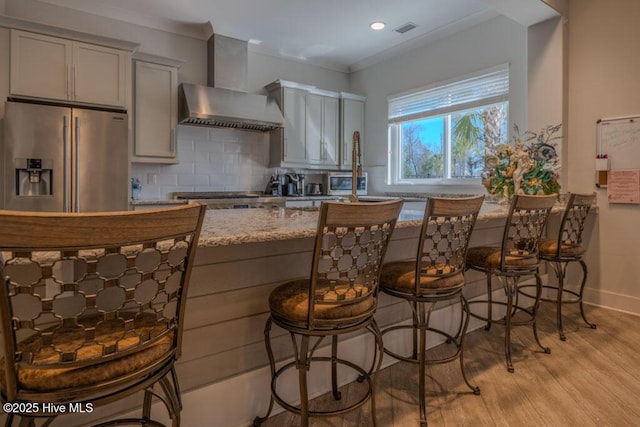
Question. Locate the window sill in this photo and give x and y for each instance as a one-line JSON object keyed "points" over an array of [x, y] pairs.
{"points": [[454, 186]]}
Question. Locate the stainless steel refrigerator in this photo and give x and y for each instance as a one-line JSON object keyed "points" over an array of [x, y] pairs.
{"points": [[61, 159]]}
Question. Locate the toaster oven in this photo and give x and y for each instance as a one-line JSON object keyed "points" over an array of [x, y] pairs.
{"points": [[339, 184]]}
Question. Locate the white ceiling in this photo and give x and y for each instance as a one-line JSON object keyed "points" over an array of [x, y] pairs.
{"points": [[330, 33]]}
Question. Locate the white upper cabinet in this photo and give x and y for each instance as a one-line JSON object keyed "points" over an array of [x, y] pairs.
{"points": [[155, 111], [60, 69], [288, 146], [351, 120], [315, 124], [294, 142], [322, 127], [40, 66], [99, 74]]}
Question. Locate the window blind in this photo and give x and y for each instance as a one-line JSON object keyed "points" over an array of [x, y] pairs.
{"points": [[484, 89]]}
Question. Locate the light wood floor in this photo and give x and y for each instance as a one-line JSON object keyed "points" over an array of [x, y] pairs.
{"points": [[592, 379]]}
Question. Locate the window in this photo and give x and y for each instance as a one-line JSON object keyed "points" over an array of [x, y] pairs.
{"points": [[442, 132]]}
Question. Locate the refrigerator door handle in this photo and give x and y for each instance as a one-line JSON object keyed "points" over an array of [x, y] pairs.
{"points": [[76, 143], [65, 164]]}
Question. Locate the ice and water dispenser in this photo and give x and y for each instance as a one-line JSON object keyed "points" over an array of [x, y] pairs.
{"points": [[33, 177]]}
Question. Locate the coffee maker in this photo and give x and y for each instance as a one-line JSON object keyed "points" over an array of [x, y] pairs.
{"points": [[291, 184], [292, 187]]}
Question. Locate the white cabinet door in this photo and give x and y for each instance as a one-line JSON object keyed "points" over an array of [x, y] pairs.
{"points": [[313, 125], [294, 111], [352, 113], [330, 130], [40, 66], [60, 69], [322, 130], [156, 111], [99, 74]]}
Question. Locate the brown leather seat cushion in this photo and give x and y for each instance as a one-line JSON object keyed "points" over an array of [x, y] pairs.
{"points": [[400, 276], [489, 257], [550, 248], [290, 302], [39, 377]]}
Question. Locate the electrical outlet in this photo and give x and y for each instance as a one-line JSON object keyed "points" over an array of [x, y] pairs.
{"points": [[151, 178]]}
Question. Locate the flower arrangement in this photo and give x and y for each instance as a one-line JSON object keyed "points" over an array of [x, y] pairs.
{"points": [[528, 166]]}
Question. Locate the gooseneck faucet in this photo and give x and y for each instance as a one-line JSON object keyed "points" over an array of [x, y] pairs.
{"points": [[356, 165]]}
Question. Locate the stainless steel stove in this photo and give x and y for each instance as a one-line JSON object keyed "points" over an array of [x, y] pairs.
{"points": [[232, 200]]}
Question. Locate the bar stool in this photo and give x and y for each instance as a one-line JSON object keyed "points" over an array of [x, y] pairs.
{"points": [[92, 308], [435, 275], [562, 251], [514, 259], [339, 297]]}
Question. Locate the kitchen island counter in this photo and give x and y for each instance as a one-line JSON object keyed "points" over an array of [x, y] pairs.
{"points": [[238, 226]]}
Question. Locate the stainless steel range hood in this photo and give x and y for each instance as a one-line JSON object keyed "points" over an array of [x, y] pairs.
{"points": [[225, 102]]}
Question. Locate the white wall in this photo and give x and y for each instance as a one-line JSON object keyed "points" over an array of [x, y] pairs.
{"points": [[5, 44], [497, 41], [604, 82], [546, 84], [265, 68]]}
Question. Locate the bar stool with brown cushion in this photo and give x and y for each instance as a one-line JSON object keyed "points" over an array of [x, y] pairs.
{"points": [[435, 275], [516, 258], [562, 251], [93, 307], [338, 298]]}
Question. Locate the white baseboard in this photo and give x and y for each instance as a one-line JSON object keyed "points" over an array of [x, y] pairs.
{"points": [[612, 300]]}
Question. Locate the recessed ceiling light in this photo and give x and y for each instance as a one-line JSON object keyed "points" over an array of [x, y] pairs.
{"points": [[378, 25]]}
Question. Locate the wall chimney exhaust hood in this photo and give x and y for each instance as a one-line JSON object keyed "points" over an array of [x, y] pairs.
{"points": [[225, 101]]}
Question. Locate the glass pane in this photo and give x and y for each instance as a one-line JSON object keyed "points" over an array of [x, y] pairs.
{"points": [[472, 132], [466, 146], [422, 148]]}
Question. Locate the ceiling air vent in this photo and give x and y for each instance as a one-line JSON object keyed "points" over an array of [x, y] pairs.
{"points": [[406, 27]]}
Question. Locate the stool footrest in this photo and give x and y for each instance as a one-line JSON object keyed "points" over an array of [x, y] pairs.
{"points": [[530, 320], [571, 292], [450, 339], [363, 376]]}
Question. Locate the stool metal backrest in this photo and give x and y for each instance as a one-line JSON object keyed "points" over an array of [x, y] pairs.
{"points": [[351, 242], [87, 289], [444, 237], [525, 224], [572, 225]]}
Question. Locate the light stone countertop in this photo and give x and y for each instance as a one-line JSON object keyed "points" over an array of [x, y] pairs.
{"points": [[153, 202], [238, 226]]}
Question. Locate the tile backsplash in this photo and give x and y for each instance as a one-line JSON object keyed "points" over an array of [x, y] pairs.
{"points": [[211, 159]]}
